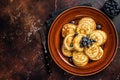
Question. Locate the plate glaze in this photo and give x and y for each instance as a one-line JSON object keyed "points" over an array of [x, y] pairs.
{"points": [[55, 39]]}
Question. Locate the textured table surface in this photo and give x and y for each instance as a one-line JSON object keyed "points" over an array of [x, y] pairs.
{"points": [[22, 57]]}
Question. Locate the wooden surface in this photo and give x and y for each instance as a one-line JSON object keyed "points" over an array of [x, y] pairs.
{"points": [[22, 58]]}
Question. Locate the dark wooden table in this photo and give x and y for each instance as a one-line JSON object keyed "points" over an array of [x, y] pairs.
{"points": [[21, 58]]}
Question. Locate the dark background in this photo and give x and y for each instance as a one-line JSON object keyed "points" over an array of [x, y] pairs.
{"points": [[23, 60]]}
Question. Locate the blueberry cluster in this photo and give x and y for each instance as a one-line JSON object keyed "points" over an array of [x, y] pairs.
{"points": [[86, 41], [111, 8]]}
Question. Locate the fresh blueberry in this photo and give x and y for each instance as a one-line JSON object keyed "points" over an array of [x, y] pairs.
{"points": [[73, 22], [111, 7], [84, 43], [117, 10], [114, 3], [108, 10], [107, 2], [98, 26], [88, 41], [112, 12], [84, 39], [106, 5], [70, 59]]}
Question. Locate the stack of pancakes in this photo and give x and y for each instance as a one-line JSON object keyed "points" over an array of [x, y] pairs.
{"points": [[71, 43]]}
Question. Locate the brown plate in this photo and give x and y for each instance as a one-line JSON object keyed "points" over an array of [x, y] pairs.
{"points": [[76, 13]]}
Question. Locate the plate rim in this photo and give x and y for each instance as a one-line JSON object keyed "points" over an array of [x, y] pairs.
{"points": [[115, 50]]}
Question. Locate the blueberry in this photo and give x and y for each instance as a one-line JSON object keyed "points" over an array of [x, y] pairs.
{"points": [[84, 43], [117, 10], [70, 59], [88, 41], [107, 2], [108, 10], [84, 39], [73, 22], [112, 12], [107, 5], [114, 8], [114, 3], [111, 7], [117, 7], [98, 26]]}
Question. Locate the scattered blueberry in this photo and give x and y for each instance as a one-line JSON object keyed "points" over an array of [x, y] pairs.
{"points": [[70, 59], [98, 26], [73, 22]]}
